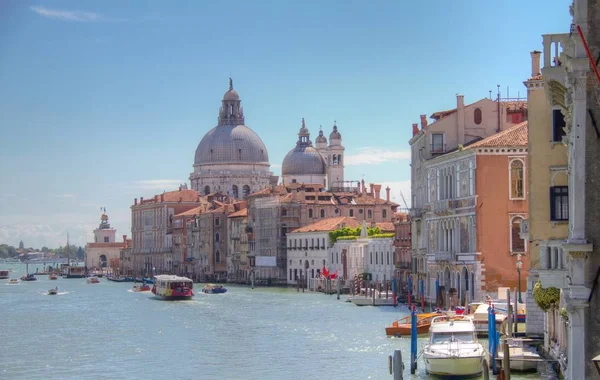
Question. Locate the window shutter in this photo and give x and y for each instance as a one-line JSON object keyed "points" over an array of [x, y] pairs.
{"points": [[552, 204]]}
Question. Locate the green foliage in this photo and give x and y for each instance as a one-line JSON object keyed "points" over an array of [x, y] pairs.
{"points": [[7, 251], [347, 233], [546, 299], [563, 314]]}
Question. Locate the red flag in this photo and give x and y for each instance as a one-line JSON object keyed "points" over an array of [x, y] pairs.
{"points": [[325, 272], [333, 276]]}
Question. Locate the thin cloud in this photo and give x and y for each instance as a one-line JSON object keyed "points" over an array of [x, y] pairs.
{"points": [[373, 156], [157, 184], [64, 195], [69, 15]]}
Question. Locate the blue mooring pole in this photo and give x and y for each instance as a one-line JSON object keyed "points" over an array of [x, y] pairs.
{"points": [[413, 340], [409, 291], [493, 338], [422, 293], [395, 291], [437, 290]]}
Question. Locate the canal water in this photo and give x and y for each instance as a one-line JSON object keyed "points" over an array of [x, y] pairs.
{"points": [[98, 331]]}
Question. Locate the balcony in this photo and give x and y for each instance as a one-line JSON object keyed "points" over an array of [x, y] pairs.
{"points": [[442, 205], [524, 232], [556, 52], [444, 256]]}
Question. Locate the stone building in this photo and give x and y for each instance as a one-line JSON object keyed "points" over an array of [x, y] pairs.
{"points": [[231, 158], [238, 267], [571, 86], [103, 254], [402, 246]]}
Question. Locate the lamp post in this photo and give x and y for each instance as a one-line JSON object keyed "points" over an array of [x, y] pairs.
{"points": [[519, 265]]}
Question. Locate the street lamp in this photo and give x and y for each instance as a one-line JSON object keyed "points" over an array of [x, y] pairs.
{"points": [[519, 265]]}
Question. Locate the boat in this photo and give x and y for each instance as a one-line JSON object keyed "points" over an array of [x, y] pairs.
{"points": [[214, 289], [379, 299], [53, 292], [169, 287], [28, 277], [4, 274], [402, 327], [141, 288], [93, 280], [523, 357], [13, 281], [75, 272], [480, 318], [52, 276], [453, 348], [120, 279]]}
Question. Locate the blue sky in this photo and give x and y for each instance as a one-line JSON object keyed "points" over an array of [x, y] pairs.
{"points": [[101, 102]]}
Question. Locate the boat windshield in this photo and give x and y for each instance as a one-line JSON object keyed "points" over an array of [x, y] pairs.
{"points": [[445, 337]]}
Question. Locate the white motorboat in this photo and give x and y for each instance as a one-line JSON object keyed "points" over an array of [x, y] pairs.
{"points": [[453, 348], [93, 280], [367, 298], [13, 281], [523, 358]]}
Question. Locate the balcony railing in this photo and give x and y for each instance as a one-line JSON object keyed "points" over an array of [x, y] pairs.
{"points": [[444, 255]]}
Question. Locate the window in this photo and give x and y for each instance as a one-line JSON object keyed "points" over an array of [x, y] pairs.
{"points": [[217, 221], [517, 245], [376, 258], [106, 239], [477, 116], [369, 214], [351, 213], [437, 143], [559, 203], [516, 180], [310, 213], [218, 257], [291, 273], [323, 241], [217, 237], [283, 212], [371, 258], [234, 190], [322, 213], [384, 213], [388, 258], [206, 190], [245, 191], [558, 126]]}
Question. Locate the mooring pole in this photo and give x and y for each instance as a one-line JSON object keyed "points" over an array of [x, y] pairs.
{"points": [[506, 359], [397, 366], [413, 340], [409, 291], [422, 292], [394, 291], [510, 314], [339, 288]]}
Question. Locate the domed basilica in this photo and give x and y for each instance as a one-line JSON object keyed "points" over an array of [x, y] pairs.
{"points": [[231, 158]]}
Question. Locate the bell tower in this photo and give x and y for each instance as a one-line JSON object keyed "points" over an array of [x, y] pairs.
{"points": [[335, 159], [231, 111]]}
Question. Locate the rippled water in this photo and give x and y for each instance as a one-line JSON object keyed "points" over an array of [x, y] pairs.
{"points": [[94, 331]]}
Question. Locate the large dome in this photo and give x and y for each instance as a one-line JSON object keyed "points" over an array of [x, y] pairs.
{"points": [[231, 144], [303, 160]]}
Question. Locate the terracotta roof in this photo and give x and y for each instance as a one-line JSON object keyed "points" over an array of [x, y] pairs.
{"points": [[514, 136], [386, 226], [329, 224], [441, 114], [185, 195], [191, 212], [536, 77], [242, 212], [515, 105]]}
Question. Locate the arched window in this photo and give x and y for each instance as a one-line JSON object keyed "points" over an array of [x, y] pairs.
{"points": [[351, 213], [206, 190], [388, 258], [217, 237], [245, 191], [322, 213], [337, 257], [517, 190], [235, 191], [376, 258], [369, 214], [283, 212], [339, 159], [517, 245], [371, 258], [384, 213], [217, 257], [310, 213], [334, 159], [477, 116]]}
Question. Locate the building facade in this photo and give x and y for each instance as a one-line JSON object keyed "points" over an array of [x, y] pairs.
{"points": [[103, 254], [402, 246], [237, 258], [231, 158]]}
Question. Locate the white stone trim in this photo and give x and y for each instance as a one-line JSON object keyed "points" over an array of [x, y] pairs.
{"points": [[511, 218]]}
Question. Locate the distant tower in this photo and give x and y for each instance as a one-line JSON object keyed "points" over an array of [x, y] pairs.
{"points": [[21, 245], [104, 234], [335, 159]]}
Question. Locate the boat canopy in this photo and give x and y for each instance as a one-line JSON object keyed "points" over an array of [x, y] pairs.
{"points": [[172, 278]]}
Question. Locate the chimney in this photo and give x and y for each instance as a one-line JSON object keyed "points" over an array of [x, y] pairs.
{"points": [[377, 191], [371, 187], [387, 193], [141, 200], [535, 63], [364, 188], [415, 128], [162, 197], [423, 121], [124, 238], [135, 201]]}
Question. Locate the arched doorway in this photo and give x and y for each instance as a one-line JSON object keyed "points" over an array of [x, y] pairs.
{"points": [[447, 279], [464, 288], [103, 261]]}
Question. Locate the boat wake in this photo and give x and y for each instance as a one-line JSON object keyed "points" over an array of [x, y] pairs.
{"points": [[57, 294]]}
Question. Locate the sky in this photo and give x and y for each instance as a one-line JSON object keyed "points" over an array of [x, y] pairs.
{"points": [[103, 102]]}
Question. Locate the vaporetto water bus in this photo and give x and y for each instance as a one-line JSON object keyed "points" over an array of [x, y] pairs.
{"points": [[168, 287]]}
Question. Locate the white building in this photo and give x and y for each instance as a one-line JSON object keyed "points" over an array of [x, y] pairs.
{"points": [[374, 256], [104, 252], [231, 158]]}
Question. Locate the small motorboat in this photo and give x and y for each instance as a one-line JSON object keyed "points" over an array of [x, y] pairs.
{"points": [[53, 276], [214, 289], [28, 277], [53, 292], [523, 357], [453, 348], [13, 281], [93, 280], [141, 288], [402, 327]]}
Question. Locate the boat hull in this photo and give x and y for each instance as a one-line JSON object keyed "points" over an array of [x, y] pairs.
{"points": [[452, 366], [75, 276], [405, 329], [364, 301], [173, 298]]}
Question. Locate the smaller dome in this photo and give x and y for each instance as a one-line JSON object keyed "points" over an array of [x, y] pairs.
{"points": [[321, 138], [303, 160], [104, 217], [335, 134], [231, 94]]}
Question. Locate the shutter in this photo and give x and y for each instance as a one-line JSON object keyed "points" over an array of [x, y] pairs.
{"points": [[552, 204]]}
